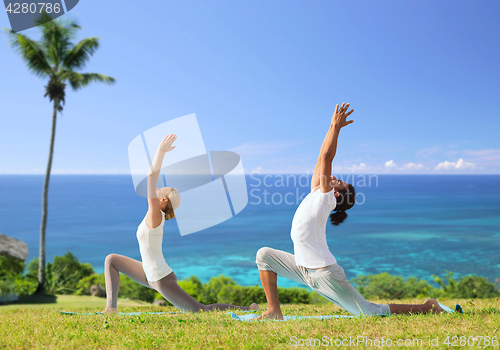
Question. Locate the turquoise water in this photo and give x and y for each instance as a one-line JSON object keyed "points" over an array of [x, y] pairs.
{"points": [[410, 225]]}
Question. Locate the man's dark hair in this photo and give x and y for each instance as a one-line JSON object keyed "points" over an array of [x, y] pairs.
{"points": [[345, 201]]}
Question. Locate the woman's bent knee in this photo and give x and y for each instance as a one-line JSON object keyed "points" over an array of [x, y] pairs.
{"points": [[110, 258]]}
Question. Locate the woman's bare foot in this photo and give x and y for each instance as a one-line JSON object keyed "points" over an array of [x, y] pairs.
{"points": [[254, 306], [109, 310], [270, 315], [434, 306]]}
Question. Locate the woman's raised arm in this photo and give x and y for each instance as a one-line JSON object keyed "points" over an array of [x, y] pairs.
{"points": [[153, 174]]}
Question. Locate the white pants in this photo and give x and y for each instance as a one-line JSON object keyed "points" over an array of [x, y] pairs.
{"points": [[330, 282]]}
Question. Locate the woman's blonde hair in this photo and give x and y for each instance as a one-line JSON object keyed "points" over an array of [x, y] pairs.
{"points": [[169, 210]]}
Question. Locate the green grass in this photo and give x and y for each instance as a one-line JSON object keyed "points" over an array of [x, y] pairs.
{"points": [[41, 327], [72, 302]]}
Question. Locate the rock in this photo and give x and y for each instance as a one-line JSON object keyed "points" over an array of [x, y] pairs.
{"points": [[160, 302], [97, 291], [13, 248]]}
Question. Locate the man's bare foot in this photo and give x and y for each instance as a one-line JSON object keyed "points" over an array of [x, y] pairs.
{"points": [[109, 310], [434, 306], [270, 315], [254, 306]]}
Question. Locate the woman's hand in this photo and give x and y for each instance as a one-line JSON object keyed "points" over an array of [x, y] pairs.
{"points": [[166, 143], [340, 116]]}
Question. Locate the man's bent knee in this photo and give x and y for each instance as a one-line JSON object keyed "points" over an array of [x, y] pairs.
{"points": [[262, 254]]}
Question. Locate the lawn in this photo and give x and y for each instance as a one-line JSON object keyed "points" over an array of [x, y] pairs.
{"points": [[28, 326], [73, 302]]}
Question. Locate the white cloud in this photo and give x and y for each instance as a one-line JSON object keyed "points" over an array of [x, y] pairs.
{"points": [[466, 161], [460, 164], [358, 168], [412, 166], [390, 164], [445, 165], [478, 161]]}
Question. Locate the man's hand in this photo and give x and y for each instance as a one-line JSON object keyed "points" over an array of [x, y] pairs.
{"points": [[340, 116], [166, 143]]}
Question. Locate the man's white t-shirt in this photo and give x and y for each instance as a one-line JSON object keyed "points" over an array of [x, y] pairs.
{"points": [[309, 230]]}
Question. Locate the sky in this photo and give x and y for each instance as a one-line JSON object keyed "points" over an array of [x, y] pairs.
{"points": [[263, 78]]}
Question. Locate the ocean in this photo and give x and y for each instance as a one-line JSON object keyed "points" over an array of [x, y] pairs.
{"points": [[408, 225]]}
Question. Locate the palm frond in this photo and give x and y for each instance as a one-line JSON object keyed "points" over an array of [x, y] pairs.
{"points": [[80, 80], [69, 27], [56, 38], [31, 52], [77, 57]]}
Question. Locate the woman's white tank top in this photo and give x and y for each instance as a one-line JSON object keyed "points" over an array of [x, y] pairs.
{"points": [[150, 246]]}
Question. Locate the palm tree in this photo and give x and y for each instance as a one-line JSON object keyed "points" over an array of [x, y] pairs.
{"points": [[55, 57]]}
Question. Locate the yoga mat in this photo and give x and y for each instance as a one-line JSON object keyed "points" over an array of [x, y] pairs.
{"points": [[119, 313], [132, 313], [458, 309], [249, 317]]}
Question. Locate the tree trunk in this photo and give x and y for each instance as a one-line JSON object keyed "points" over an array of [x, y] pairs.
{"points": [[40, 290]]}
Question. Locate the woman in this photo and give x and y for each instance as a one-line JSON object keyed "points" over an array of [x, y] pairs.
{"points": [[154, 272], [312, 263]]}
